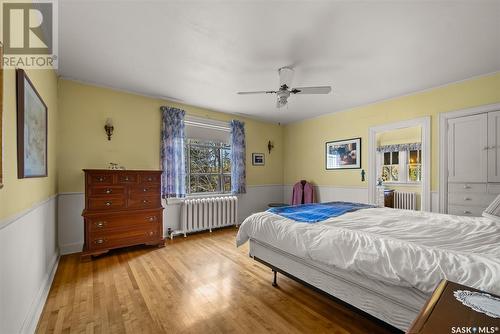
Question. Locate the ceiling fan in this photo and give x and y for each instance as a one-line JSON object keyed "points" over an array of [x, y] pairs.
{"points": [[286, 75]]}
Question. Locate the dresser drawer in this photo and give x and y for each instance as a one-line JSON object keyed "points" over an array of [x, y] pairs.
{"points": [[122, 238], [144, 202], [130, 221], [127, 178], [106, 203], [145, 190], [100, 178], [150, 178], [467, 187], [462, 210], [471, 199], [106, 190]]}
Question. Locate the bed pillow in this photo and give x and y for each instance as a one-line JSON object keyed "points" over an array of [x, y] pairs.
{"points": [[493, 210]]}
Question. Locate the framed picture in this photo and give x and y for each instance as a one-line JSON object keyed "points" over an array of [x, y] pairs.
{"points": [[343, 154], [31, 129], [258, 159]]}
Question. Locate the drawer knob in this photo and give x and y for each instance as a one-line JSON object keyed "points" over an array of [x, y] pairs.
{"points": [[145, 201], [99, 241], [145, 189], [150, 233], [467, 212], [100, 179], [466, 186], [126, 178], [150, 179], [150, 219], [467, 199], [108, 203], [109, 191], [100, 224]]}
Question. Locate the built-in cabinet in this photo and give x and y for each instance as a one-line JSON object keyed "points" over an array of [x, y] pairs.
{"points": [[473, 163]]}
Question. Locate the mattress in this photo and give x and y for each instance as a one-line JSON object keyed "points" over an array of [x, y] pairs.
{"points": [[397, 247]]}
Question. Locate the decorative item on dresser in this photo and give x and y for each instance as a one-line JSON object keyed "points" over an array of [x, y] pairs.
{"points": [[122, 208]]}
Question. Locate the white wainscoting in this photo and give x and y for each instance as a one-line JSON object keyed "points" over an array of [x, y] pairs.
{"points": [[332, 193], [28, 261], [70, 207], [349, 194]]}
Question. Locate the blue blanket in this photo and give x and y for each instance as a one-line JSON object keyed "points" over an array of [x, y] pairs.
{"points": [[313, 213]]}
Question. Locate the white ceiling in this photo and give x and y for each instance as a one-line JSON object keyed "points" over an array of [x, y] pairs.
{"points": [[203, 52]]}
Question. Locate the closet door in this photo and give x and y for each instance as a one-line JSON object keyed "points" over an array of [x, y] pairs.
{"points": [[494, 146], [467, 149]]}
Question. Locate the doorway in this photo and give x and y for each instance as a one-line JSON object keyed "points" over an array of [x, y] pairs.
{"points": [[399, 163]]}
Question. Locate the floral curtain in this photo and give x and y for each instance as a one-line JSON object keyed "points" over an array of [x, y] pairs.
{"points": [[400, 147], [238, 157], [172, 153]]}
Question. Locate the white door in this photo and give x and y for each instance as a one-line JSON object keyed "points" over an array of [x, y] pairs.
{"points": [[494, 146], [467, 149]]}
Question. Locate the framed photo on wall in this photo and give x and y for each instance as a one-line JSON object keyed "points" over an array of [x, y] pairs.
{"points": [[258, 159], [31, 129], [343, 154]]}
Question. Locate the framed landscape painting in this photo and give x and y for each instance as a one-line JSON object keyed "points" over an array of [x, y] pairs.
{"points": [[31, 129], [343, 154]]}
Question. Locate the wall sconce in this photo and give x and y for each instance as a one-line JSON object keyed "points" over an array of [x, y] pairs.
{"points": [[108, 127], [270, 146]]}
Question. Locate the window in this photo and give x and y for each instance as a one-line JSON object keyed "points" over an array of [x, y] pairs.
{"points": [[208, 166], [390, 168], [414, 166]]}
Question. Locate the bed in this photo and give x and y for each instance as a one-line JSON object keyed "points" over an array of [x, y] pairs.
{"points": [[384, 262]]}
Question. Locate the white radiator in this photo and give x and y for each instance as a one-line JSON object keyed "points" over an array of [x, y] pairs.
{"points": [[405, 200], [208, 213]]}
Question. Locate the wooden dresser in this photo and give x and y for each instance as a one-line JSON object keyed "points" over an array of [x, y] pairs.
{"points": [[443, 313], [122, 208]]}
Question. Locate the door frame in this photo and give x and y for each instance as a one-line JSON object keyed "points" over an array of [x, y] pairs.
{"points": [[443, 146], [425, 124]]}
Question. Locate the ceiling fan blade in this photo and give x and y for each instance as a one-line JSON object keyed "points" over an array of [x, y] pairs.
{"points": [[257, 92], [312, 90]]}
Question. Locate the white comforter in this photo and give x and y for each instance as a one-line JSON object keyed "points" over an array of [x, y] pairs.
{"points": [[400, 247]]}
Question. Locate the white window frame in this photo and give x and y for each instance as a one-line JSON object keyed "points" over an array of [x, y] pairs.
{"points": [[206, 124], [221, 174]]}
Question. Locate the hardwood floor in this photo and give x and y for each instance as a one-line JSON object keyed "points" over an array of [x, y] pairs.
{"points": [[199, 284]]}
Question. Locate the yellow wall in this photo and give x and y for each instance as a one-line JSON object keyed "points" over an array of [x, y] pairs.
{"points": [[20, 194], [136, 139], [305, 141]]}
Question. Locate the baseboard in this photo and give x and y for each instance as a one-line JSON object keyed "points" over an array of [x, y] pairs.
{"points": [[33, 316], [70, 248]]}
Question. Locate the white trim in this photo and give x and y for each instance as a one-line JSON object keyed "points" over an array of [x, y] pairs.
{"points": [[425, 123], [9, 220], [73, 248], [443, 146], [33, 316]]}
